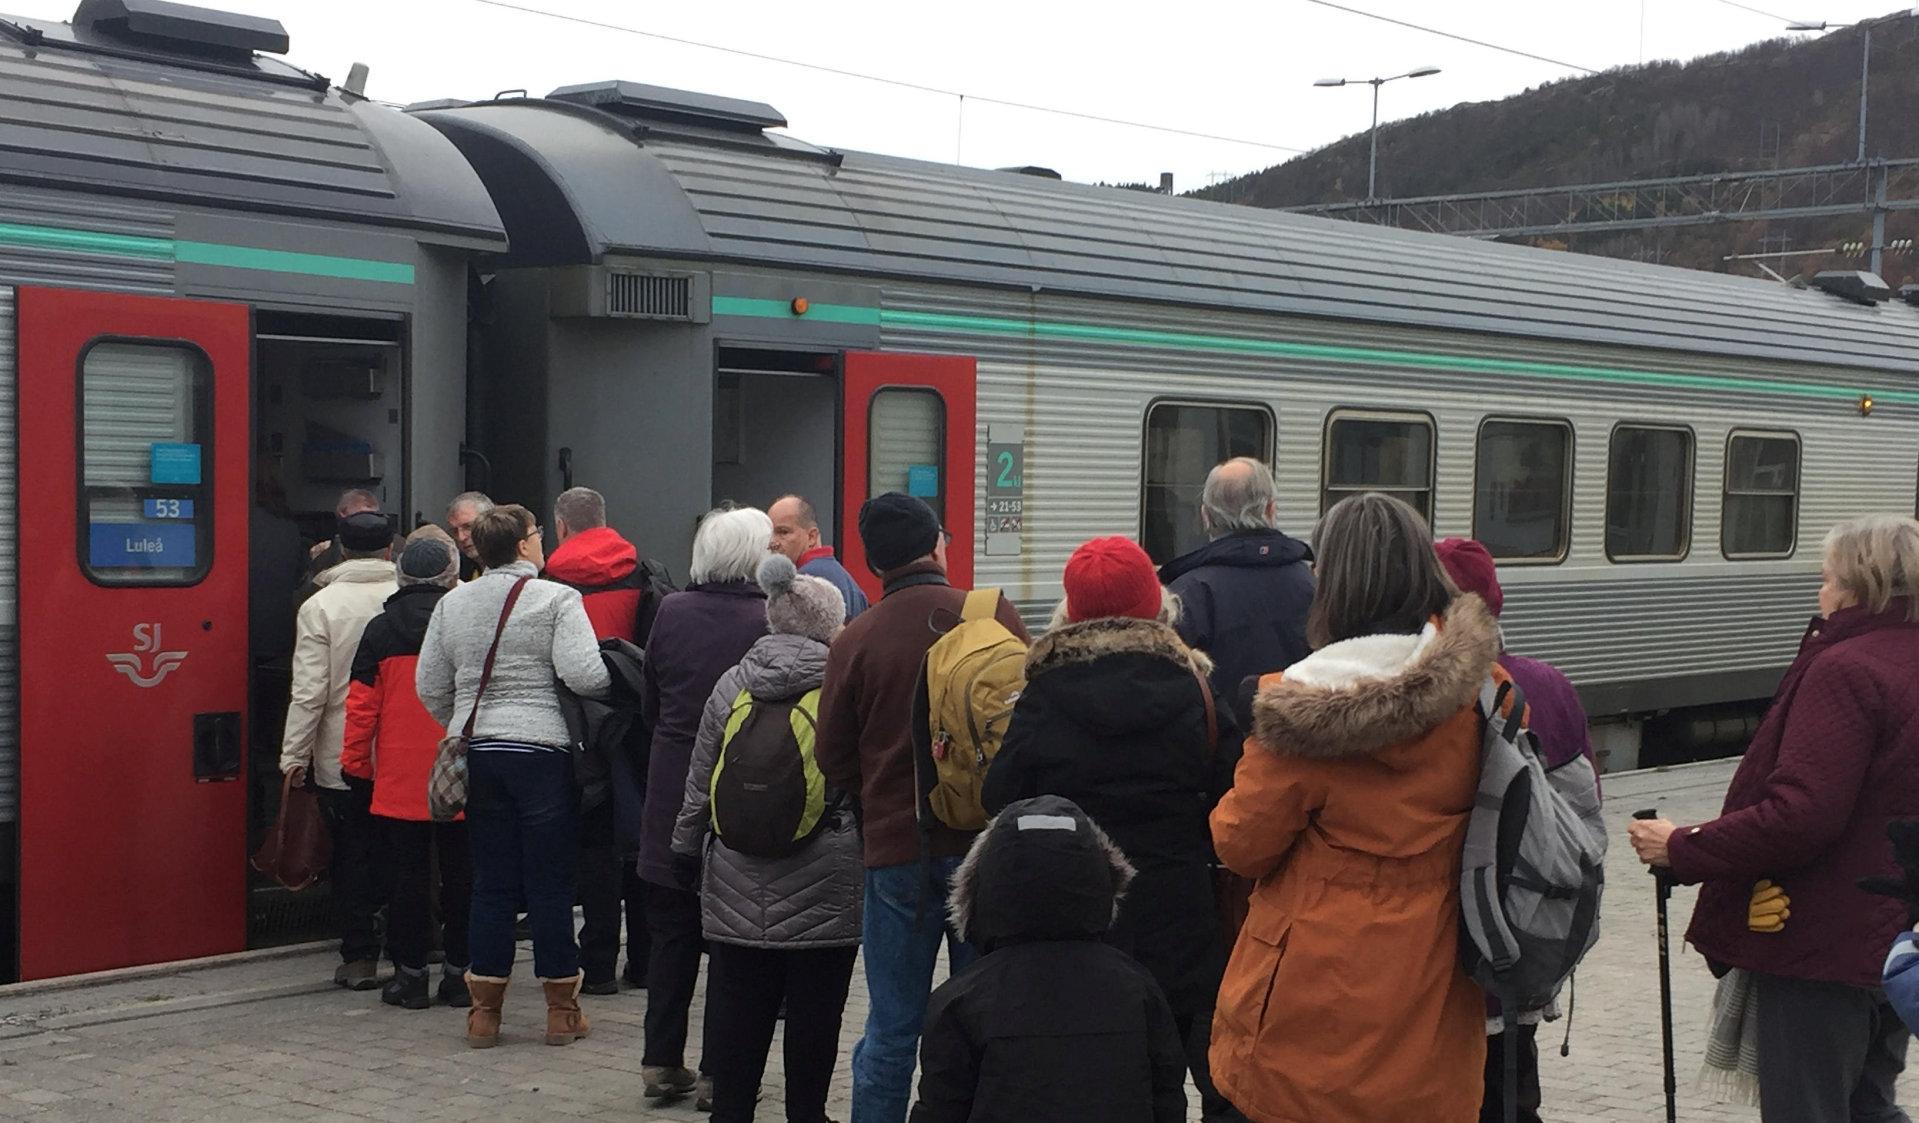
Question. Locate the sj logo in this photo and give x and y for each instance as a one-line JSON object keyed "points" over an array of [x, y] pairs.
{"points": [[146, 649]]}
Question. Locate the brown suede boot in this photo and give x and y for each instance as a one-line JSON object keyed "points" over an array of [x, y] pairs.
{"points": [[564, 1022], [483, 1017]]}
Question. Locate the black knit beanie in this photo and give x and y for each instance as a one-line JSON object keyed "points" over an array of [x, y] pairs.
{"points": [[897, 530]]}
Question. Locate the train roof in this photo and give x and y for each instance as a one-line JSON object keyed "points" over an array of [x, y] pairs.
{"points": [[159, 100], [604, 169]]}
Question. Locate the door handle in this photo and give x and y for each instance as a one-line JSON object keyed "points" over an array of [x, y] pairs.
{"points": [[216, 747]]}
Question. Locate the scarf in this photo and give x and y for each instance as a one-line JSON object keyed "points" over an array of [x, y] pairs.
{"points": [[1731, 1072]]}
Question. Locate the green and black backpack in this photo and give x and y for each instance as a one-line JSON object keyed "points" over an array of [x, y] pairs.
{"points": [[768, 795]]}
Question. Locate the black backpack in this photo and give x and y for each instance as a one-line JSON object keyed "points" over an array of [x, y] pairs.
{"points": [[652, 579], [768, 797]]}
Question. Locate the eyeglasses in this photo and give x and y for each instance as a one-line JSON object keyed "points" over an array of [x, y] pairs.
{"points": [[946, 536], [534, 533]]}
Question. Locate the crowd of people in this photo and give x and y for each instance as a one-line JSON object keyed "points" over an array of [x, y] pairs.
{"points": [[1213, 832]]}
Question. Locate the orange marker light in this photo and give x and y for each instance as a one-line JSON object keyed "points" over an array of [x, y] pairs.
{"points": [[1865, 405], [800, 306]]}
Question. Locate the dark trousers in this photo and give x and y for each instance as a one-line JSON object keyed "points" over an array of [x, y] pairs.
{"points": [[744, 989], [1828, 1053], [409, 904], [1492, 1109], [607, 885], [357, 872], [639, 937], [1196, 1034], [522, 819], [672, 973]]}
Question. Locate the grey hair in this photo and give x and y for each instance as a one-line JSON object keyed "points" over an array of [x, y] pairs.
{"points": [[1169, 609], [1876, 559], [478, 500], [582, 508], [355, 499], [730, 545], [1240, 499]]}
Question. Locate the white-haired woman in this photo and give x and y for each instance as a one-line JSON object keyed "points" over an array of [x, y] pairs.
{"points": [[1781, 916], [1116, 716], [698, 635]]}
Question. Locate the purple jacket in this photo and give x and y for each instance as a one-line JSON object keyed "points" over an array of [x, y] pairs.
{"points": [[1836, 759], [1556, 716], [699, 635]]}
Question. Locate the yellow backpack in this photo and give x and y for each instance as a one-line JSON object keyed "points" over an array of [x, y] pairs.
{"points": [[972, 676]]}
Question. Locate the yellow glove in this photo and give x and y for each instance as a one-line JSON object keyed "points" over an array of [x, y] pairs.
{"points": [[1768, 909]]}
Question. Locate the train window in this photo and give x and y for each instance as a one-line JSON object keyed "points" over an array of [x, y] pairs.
{"points": [[1184, 441], [1522, 489], [1384, 452], [906, 431], [1649, 493], [1761, 515], [146, 490]]}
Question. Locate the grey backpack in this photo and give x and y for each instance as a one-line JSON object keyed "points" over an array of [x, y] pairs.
{"points": [[1535, 862]]}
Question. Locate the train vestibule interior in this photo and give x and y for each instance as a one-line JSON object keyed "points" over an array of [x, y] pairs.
{"points": [[775, 417]]}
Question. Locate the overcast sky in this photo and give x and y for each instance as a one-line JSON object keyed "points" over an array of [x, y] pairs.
{"points": [[1235, 68]]}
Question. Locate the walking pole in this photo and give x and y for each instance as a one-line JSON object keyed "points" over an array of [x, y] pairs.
{"points": [[1663, 882]]}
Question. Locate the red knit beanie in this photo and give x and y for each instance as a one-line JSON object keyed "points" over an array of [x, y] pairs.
{"points": [[1472, 569], [1111, 577]]}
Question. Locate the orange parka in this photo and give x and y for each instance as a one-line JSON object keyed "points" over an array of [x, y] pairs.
{"points": [[1344, 1001]]}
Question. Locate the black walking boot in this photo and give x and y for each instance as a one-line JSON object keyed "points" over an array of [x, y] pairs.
{"points": [[453, 990], [406, 989]]}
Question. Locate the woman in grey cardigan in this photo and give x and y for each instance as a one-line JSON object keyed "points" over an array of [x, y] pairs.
{"points": [[781, 928], [522, 808]]}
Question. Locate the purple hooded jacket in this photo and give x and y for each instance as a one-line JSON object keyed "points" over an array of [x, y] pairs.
{"points": [[699, 635], [1836, 758]]}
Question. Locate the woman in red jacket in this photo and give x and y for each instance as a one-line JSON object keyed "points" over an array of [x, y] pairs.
{"points": [[391, 740], [1781, 916]]}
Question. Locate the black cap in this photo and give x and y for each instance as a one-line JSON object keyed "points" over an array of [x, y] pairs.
{"points": [[897, 530], [364, 532]]}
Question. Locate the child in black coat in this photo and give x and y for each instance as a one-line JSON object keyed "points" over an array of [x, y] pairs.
{"points": [[1052, 1023]]}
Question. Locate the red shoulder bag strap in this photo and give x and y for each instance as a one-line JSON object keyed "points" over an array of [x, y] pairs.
{"points": [[486, 669], [1212, 711]]}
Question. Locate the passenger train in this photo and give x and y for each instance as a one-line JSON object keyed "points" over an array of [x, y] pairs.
{"points": [[229, 289]]}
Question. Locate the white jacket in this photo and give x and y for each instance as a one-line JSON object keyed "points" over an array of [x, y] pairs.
{"points": [[327, 633]]}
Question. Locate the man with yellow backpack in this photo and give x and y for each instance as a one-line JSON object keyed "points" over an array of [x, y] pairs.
{"points": [[930, 672]]}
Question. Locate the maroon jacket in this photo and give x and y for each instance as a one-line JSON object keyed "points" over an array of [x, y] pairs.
{"points": [[866, 706], [1836, 759]]}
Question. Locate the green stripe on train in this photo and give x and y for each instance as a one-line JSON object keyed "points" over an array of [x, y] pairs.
{"points": [[1192, 341], [207, 253]]}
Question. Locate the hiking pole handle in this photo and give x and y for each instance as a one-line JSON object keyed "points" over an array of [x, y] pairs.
{"points": [[1663, 877]]}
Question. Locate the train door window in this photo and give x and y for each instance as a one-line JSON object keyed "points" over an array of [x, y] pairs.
{"points": [[1385, 452], [1522, 488], [1184, 441], [907, 431], [146, 492], [1649, 493], [1761, 514]]}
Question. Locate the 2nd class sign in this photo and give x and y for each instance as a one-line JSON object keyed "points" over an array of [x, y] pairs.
{"points": [[1005, 489]]}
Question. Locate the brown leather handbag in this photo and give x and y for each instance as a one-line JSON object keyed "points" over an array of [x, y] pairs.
{"points": [[298, 849], [1232, 894]]}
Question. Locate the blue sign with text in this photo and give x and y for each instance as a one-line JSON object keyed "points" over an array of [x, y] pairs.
{"points": [[923, 481], [142, 545], [174, 463], [169, 508]]}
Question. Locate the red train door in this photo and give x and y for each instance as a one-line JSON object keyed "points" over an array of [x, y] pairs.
{"points": [[133, 641], [910, 426]]}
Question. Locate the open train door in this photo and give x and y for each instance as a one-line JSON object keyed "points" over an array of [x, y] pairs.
{"points": [[132, 469], [909, 426]]}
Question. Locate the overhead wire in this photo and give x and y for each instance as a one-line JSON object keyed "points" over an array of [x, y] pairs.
{"points": [[898, 83], [1754, 11], [1443, 35]]}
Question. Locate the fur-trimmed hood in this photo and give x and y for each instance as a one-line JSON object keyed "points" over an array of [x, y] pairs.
{"points": [[1073, 644], [1041, 870], [1359, 696]]}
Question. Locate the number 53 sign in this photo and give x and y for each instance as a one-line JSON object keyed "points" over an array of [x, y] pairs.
{"points": [[1005, 489]]}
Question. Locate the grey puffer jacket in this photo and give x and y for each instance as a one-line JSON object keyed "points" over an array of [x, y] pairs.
{"points": [[810, 899], [547, 638]]}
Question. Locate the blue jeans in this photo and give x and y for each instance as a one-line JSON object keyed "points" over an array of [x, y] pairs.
{"points": [[904, 924], [522, 820]]}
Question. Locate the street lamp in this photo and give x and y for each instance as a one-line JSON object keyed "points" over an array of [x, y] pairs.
{"points": [[1865, 62], [1372, 162]]}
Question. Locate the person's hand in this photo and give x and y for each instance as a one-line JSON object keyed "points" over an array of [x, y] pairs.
{"points": [[1769, 908], [296, 772], [1649, 840], [686, 870]]}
